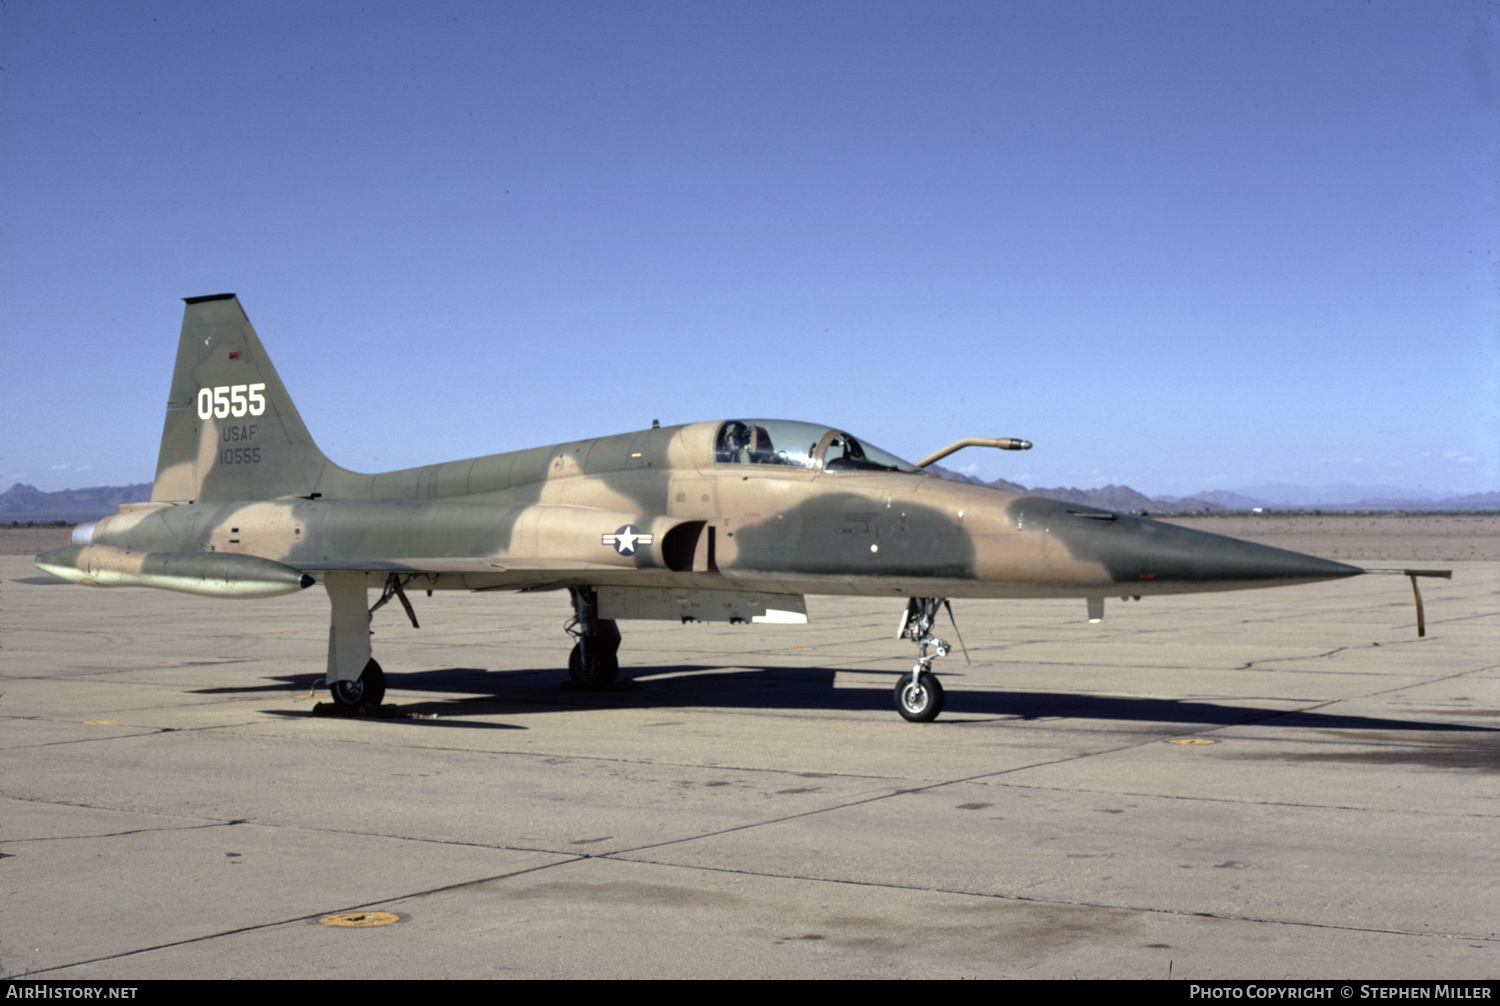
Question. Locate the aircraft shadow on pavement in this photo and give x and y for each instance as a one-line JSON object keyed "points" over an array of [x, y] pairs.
{"points": [[486, 693]]}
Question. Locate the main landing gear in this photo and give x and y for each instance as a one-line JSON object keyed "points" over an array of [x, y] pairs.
{"points": [[354, 678], [919, 694], [593, 663]]}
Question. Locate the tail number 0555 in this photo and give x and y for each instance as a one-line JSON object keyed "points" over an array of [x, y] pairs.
{"points": [[231, 400]]}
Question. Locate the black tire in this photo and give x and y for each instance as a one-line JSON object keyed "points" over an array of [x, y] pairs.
{"points": [[921, 700], [601, 669], [368, 690]]}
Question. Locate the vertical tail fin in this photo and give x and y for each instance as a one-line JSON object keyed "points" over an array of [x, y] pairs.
{"points": [[232, 432]]}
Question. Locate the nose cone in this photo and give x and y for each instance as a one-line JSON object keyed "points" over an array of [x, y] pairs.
{"points": [[1164, 558]]}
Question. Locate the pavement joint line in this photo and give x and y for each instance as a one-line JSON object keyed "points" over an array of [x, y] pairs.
{"points": [[1316, 656], [1147, 741], [135, 733], [1342, 742], [1131, 794], [1421, 683], [1492, 938], [290, 921], [116, 810], [1271, 715], [508, 753], [307, 829], [1454, 618], [119, 834], [904, 791]]}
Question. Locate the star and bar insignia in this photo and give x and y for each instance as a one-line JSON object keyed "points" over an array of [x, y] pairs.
{"points": [[626, 539]]}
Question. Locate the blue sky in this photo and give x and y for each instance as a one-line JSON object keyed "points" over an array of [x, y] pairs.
{"points": [[1181, 246]]}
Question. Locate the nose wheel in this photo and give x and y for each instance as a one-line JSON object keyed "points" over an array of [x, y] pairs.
{"points": [[919, 696]]}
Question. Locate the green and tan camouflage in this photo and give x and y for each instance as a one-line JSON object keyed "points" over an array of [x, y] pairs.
{"points": [[733, 520]]}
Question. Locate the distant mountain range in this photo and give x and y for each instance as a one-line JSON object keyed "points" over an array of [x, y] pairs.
{"points": [[1121, 498], [22, 503], [1280, 496]]}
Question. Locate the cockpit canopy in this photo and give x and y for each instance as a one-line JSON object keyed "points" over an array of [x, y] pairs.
{"points": [[800, 445]]}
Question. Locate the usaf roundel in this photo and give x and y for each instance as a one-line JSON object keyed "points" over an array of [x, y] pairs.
{"points": [[626, 539]]}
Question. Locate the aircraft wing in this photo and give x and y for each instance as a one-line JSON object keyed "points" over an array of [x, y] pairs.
{"points": [[449, 564]]}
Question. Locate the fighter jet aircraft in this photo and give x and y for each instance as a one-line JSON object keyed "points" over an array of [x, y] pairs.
{"points": [[732, 520]]}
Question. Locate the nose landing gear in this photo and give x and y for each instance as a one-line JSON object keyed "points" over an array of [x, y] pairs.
{"points": [[919, 694]]}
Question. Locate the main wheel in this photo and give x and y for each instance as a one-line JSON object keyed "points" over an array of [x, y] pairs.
{"points": [[599, 670], [368, 689], [919, 698]]}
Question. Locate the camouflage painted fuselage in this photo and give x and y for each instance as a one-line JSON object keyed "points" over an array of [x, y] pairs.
{"points": [[536, 517]]}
